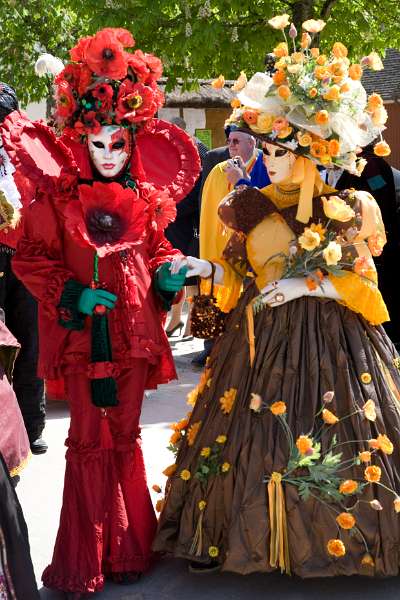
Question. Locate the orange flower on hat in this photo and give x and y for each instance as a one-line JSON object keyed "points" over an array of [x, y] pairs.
{"points": [[284, 92], [314, 26], [374, 101], [235, 103], [304, 139], [328, 417], [355, 72], [334, 148], [281, 50], [240, 82], [348, 487], [336, 548], [250, 117], [332, 94], [304, 444], [313, 92], [373, 474], [379, 116], [344, 88], [376, 243], [382, 149], [279, 77], [278, 408], [346, 520], [339, 50], [322, 117], [321, 72]]}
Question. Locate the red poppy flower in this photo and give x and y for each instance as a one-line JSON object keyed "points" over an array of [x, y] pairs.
{"points": [[90, 122], [104, 94], [137, 63], [155, 66], [105, 55], [77, 53], [71, 74], [162, 209], [107, 217], [135, 102], [66, 103], [85, 79], [123, 36]]}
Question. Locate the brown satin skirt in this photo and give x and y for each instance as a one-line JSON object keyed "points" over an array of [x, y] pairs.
{"points": [[303, 349]]}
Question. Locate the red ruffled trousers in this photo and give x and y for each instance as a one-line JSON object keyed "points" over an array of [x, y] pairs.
{"points": [[107, 521]]}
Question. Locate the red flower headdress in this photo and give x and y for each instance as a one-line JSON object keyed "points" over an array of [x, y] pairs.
{"points": [[104, 84]]}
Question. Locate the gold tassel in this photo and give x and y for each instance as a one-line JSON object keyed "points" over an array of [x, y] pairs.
{"points": [[196, 548], [304, 173], [250, 332], [279, 547]]}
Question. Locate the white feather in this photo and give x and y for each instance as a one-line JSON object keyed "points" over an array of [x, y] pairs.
{"points": [[48, 64]]}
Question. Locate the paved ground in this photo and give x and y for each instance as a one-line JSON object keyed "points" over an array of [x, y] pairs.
{"points": [[40, 492]]}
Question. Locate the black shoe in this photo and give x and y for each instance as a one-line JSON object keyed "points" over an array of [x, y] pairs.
{"points": [[199, 568], [126, 577], [39, 446], [170, 332], [201, 359]]}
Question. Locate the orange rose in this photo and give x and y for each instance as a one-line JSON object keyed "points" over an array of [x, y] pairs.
{"points": [[348, 487], [374, 101], [346, 520], [373, 474], [305, 41], [336, 548], [328, 417], [235, 103], [281, 50], [339, 50], [278, 408], [284, 92], [382, 149], [321, 72], [304, 139], [318, 149], [250, 117], [313, 92], [279, 77], [304, 444], [332, 94], [321, 59], [365, 456], [298, 57], [355, 72], [322, 117], [314, 52], [334, 148]]}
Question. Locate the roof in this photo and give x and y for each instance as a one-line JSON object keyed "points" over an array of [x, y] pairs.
{"points": [[386, 82]]}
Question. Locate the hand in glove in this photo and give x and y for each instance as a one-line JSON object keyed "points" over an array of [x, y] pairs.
{"points": [[286, 290], [169, 281], [90, 298], [197, 267]]}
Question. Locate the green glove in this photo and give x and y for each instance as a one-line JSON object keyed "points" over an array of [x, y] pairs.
{"points": [[168, 282], [90, 298]]}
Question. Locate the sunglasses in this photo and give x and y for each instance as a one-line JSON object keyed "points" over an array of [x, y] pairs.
{"points": [[232, 141]]}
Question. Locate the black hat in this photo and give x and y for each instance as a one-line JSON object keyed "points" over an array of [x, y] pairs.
{"points": [[8, 101]]}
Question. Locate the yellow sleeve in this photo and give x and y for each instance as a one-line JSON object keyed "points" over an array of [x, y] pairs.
{"points": [[361, 296]]}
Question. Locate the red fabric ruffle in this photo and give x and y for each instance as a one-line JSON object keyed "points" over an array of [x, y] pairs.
{"points": [[99, 370]]}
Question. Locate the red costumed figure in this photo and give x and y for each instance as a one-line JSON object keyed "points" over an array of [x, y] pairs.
{"points": [[94, 254]]}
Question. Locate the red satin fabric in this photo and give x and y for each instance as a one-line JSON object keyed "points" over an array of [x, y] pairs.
{"points": [[107, 520]]}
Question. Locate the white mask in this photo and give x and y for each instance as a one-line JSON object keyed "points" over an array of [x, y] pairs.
{"points": [[278, 162], [110, 149]]}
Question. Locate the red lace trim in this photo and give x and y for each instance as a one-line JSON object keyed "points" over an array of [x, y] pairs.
{"points": [[72, 584]]}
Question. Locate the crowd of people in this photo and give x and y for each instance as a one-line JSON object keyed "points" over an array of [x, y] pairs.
{"points": [[109, 217]]}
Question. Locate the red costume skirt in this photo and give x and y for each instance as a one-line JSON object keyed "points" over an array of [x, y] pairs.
{"points": [[107, 521]]}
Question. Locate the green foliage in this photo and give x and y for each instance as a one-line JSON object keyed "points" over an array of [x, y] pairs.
{"points": [[195, 38]]}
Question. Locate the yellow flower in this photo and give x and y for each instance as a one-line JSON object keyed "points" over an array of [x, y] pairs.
{"points": [[221, 439], [332, 94], [373, 443], [183, 423], [225, 467], [235, 103], [192, 433], [336, 548], [278, 408], [318, 228], [373, 474], [185, 475], [339, 50], [255, 402], [366, 377], [205, 452], [384, 444], [156, 488], [365, 456], [192, 396], [279, 22], [346, 520], [281, 50], [284, 92], [169, 470], [368, 560], [228, 400], [321, 72], [321, 59], [202, 504], [240, 82], [379, 116], [304, 139], [355, 72], [396, 504], [328, 417], [309, 240], [264, 123], [314, 26], [349, 486], [218, 83], [382, 149], [337, 209], [284, 133], [322, 117], [304, 444], [160, 505], [332, 253], [369, 410], [213, 551]]}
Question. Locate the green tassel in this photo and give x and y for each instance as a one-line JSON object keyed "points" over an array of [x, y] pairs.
{"points": [[104, 390]]}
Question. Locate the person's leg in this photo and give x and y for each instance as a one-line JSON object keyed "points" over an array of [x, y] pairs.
{"points": [[190, 290], [133, 525], [21, 319], [175, 321]]}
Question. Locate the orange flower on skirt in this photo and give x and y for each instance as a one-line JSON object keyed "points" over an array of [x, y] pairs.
{"points": [[373, 474], [349, 486], [192, 432], [346, 520], [304, 444], [336, 548], [278, 408], [328, 417]]}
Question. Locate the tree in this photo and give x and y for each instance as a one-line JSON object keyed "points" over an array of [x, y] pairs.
{"points": [[195, 39]]}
